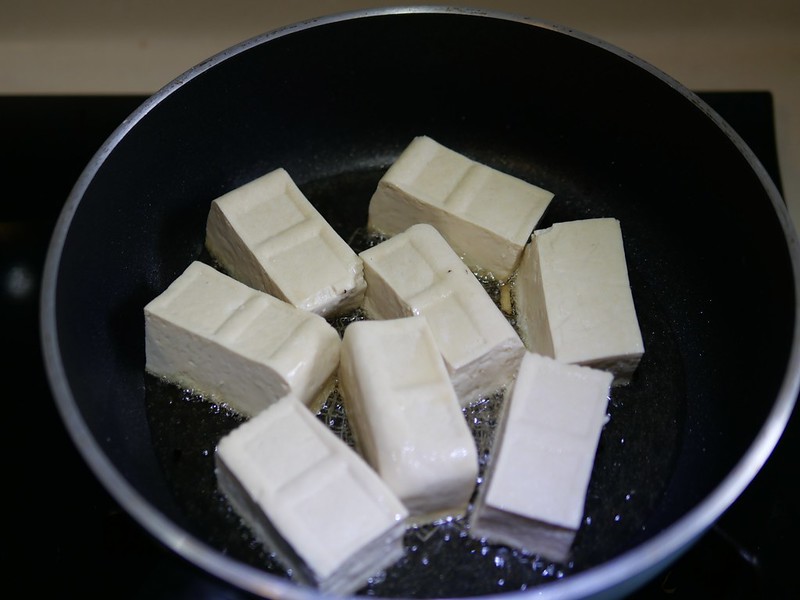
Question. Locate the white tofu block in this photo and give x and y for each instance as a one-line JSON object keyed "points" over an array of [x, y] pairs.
{"points": [[310, 498], [574, 300], [417, 273], [406, 418], [486, 215], [269, 236], [534, 491], [237, 345]]}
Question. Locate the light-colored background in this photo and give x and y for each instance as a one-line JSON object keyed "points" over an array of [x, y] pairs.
{"points": [[127, 46]]}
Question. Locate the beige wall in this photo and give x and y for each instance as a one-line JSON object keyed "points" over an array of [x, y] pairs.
{"points": [[119, 46]]}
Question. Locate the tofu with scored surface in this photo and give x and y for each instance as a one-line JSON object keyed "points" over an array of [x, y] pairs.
{"points": [[268, 235], [237, 345], [534, 489], [406, 417], [573, 297], [417, 273], [486, 215], [310, 498]]}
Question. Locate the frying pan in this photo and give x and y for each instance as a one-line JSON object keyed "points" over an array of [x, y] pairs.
{"points": [[712, 258]]}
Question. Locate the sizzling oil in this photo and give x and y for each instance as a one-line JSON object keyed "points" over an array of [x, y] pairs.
{"points": [[634, 459]]}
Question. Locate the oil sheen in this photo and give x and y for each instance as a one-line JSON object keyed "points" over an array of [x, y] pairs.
{"points": [[634, 459]]}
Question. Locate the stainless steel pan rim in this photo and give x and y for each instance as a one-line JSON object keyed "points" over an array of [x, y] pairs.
{"points": [[616, 577]]}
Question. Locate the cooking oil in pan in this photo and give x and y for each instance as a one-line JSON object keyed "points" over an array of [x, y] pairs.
{"points": [[634, 461], [631, 470]]}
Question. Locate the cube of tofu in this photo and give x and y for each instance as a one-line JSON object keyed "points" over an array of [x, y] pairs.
{"points": [[574, 300], [485, 215], [406, 417], [417, 273], [536, 480], [310, 498], [269, 236], [237, 345]]}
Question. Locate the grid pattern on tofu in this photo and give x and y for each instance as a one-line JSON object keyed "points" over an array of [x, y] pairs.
{"points": [[418, 273], [484, 214], [283, 470], [535, 487], [237, 345], [405, 416], [266, 232]]}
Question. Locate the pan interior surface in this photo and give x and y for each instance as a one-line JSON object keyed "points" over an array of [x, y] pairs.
{"points": [[334, 102]]}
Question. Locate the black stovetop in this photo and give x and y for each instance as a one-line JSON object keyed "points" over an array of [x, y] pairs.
{"points": [[63, 531]]}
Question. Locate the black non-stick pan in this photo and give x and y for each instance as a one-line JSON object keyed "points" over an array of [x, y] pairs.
{"points": [[712, 258]]}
